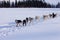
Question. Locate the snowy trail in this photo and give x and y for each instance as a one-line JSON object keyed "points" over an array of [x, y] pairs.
{"points": [[41, 30], [6, 30]]}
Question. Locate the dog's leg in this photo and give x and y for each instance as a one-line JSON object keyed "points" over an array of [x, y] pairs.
{"points": [[16, 24]]}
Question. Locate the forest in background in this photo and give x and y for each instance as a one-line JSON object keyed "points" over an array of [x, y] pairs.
{"points": [[27, 4]]}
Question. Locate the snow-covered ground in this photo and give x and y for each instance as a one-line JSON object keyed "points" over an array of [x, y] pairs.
{"points": [[41, 30]]}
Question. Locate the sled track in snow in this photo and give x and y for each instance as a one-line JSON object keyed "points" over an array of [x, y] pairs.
{"points": [[6, 30]]}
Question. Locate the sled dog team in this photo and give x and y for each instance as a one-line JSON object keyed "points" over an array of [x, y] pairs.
{"points": [[30, 19]]}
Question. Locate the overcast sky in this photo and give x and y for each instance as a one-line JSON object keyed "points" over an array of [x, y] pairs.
{"points": [[48, 1]]}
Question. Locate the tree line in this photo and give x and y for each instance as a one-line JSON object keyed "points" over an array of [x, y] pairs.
{"points": [[27, 3]]}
